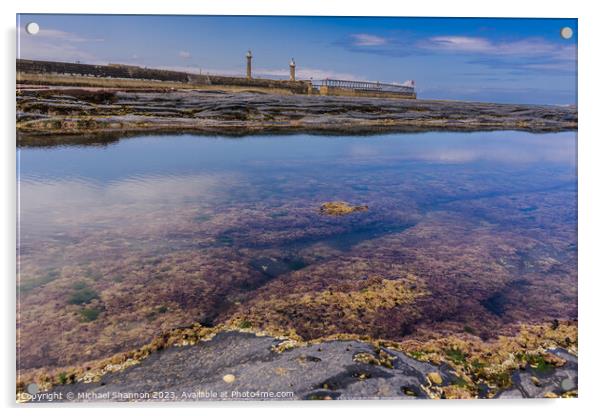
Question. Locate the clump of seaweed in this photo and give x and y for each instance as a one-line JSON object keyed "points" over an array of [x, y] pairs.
{"points": [[89, 314], [82, 294], [341, 208], [379, 357], [479, 363], [348, 309]]}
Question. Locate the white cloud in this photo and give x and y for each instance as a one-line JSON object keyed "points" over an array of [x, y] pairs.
{"points": [[66, 36], [364, 39], [528, 47], [55, 45], [184, 54], [461, 43]]}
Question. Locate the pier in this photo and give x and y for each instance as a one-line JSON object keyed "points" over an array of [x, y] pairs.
{"points": [[118, 75]]}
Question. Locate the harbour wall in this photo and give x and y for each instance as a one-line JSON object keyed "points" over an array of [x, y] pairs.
{"points": [[66, 73]]}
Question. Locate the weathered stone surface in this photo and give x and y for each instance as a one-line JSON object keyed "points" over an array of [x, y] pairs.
{"points": [[243, 366], [549, 382], [77, 111], [321, 371]]}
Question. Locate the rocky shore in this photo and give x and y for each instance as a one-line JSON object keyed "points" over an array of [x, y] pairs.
{"points": [[62, 111], [243, 366]]}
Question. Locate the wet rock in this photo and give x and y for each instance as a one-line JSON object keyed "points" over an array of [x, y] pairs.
{"points": [[325, 371], [510, 394], [244, 113], [329, 370], [552, 382]]}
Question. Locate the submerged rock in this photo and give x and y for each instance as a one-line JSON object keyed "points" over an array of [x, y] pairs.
{"points": [[341, 208]]}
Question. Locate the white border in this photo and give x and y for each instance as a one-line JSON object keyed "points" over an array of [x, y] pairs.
{"points": [[590, 204]]}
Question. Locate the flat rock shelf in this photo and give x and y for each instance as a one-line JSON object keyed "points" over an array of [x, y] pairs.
{"points": [[242, 366], [60, 111]]}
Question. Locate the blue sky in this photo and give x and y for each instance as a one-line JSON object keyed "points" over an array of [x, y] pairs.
{"points": [[497, 60]]}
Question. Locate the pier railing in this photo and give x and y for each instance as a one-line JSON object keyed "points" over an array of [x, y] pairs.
{"points": [[363, 85]]}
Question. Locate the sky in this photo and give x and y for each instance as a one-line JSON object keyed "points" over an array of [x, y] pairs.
{"points": [[489, 59]]}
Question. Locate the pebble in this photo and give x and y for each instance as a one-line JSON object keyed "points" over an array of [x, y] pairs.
{"points": [[229, 378], [568, 384]]}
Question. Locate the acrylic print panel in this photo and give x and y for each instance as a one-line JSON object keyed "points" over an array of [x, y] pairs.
{"points": [[295, 208]]}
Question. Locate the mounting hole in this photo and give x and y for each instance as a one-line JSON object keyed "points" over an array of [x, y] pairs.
{"points": [[32, 28], [566, 32]]}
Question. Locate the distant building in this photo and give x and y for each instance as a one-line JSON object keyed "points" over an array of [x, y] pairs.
{"points": [[292, 69], [249, 59]]}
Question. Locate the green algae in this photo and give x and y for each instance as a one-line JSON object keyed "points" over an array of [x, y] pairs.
{"points": [[89, 314]]}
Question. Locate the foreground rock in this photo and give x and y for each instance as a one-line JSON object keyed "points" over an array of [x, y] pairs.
{"points": [[77, 111], [242, 366]]}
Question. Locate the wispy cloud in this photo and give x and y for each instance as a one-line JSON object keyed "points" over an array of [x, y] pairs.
{"points": [[184, 54], [531, 54], [527, 47], [528, 55], [65, 36], [56, 45], [365, 39], [459, 43]]}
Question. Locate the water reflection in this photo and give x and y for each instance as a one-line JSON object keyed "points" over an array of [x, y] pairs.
{"points": [[206, 228], [67, 186]]}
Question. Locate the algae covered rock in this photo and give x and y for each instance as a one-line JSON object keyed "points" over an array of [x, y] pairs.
{"points": [[435, 378], [341, 208]]}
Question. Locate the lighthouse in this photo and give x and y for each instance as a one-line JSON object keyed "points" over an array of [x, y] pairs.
{"points": [[292, 68], [249, 59]]}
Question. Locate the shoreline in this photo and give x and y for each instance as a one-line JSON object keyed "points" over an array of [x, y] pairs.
{"points": [[80, 111], [535, 362]]}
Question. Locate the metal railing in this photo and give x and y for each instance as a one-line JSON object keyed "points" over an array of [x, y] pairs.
{"points": [[362, 85]]}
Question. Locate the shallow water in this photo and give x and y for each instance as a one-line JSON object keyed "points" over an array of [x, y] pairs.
{"points": [[194, 225]]}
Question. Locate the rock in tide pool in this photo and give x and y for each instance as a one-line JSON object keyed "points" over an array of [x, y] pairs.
{"points": [[341, 208]]}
